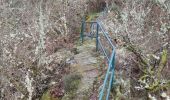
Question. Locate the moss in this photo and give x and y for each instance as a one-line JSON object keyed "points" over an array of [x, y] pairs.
{"points": [[71, 82], [154, 84], [91, 16], [117, 92], [48, 96], [162, 62], [152, 67]]}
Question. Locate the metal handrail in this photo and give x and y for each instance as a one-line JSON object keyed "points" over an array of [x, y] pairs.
{"points": [[106, 35], [106, 78], [111, 60]]}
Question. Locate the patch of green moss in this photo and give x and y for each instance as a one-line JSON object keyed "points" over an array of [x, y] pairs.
{"points": [[163, 61], [71, 83], [91, 16], [48, 96]]}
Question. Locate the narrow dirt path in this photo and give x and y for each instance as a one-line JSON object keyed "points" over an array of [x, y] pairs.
{"points": [[87, 66]]}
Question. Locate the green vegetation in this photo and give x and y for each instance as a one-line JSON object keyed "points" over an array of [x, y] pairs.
{"points": [[71, 83], [151, 73], [91, 16], [48, 96]]}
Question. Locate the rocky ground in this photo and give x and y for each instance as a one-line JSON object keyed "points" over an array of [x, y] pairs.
{"points": [[86, 65]]}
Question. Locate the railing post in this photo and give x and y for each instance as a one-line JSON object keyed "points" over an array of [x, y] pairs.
{"points": [[82, 30], [97, 37], [91, 30]]}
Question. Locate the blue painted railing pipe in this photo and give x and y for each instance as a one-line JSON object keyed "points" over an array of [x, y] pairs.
{"points": [[107, 37], [106, 77], [82, 30], [111, 78]]}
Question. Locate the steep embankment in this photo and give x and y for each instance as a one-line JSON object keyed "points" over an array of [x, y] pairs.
{"points": [[31, 38], [33, 35], [141, 29]]}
